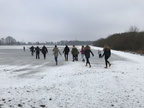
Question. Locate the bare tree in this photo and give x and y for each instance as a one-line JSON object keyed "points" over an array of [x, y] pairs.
{"points": [[133, 29]]}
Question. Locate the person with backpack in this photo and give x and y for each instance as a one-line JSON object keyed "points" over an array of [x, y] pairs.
{"points": [[44, 51], [107, 54], [87, 52], [66, 52], [75, 53]]}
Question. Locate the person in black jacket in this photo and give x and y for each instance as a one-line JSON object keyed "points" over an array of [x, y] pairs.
{"points": [[32, 50], [66, 52], [44, 51], [37, 50], [87, 52], [107, 54]]}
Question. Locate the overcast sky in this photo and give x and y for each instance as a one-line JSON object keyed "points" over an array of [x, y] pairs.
{"points": [[56, 20]]}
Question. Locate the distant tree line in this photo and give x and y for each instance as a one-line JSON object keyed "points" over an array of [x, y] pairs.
{"points": [[7, 41], [75, 42], [11, 41], [65, 42], [128, 41]]}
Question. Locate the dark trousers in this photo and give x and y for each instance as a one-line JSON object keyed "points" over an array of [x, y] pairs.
{"points": [[87, 61], [32, 53], [106, 60], [66, 56], [56, 60], [100, 56], [75, 57], [37, 56], [44, 54]]}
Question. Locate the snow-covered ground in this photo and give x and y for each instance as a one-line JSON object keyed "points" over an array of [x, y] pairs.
{"points": [[26, 82]]}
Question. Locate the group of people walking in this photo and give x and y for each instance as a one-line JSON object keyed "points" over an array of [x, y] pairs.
{"points": [[37, 50], [85, 53]]}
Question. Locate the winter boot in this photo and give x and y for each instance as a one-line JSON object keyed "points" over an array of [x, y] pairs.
{"points": [[109, 64]]}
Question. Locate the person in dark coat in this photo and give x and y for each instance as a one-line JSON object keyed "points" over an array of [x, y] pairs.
{"points": [[107, 54], [66, 52], [37, 50], [44, 51], [87, 52], [32, 49]]}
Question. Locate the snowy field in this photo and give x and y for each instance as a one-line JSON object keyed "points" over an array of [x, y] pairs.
{"points": [[30, 83]]}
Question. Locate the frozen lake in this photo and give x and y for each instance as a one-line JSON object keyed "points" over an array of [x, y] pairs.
{"points": [[13, 57]]}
